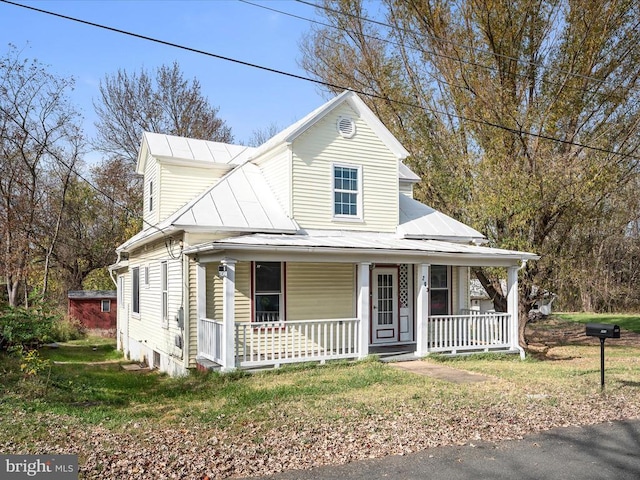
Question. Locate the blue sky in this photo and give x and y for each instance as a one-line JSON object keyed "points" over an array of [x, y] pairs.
{"points": [[248, 98]]}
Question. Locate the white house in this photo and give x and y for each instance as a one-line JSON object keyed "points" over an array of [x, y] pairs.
{"points": [[307, 248]]}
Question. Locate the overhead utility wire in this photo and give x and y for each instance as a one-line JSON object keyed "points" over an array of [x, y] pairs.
{"points": [[456, 44], [414, 48], [323, 83]]}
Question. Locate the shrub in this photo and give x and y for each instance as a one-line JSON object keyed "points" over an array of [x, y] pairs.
{"points": [[26, 327], [67, 328]]}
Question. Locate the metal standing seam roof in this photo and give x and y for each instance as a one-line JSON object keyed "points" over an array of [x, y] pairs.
{"points": [[172, 146], [341, 240], [241, 200], [418, 220]]}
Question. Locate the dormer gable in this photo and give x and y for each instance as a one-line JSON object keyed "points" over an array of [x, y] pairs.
{"points": [[178, 169]]}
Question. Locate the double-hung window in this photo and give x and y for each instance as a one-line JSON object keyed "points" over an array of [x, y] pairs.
{"points": [[135, 289], [164, 287], [439, 296], [268, 298], [347, 196]]}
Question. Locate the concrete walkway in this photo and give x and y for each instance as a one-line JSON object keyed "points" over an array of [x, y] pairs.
{"points": [[605, 451], [441, 372]]}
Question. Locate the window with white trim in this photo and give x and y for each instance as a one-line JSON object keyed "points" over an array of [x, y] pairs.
{"points": [[164, 287], [347, 191], [439, 291], [151, 195], [267, 296], [105, 306], [135, 289]]}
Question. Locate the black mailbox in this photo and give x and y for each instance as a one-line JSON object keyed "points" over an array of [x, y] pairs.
{"points": [[603, 330]]}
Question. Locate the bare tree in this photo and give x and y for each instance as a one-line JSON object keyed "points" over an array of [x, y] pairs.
{"points": [[261, 135], [131, 103], [39, 137]]}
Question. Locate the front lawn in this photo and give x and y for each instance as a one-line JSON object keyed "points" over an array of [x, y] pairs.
{"points": [[146, 425], [629, 322]]}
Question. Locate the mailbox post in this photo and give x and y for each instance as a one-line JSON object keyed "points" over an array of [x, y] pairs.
{"points": [[602, 331]]}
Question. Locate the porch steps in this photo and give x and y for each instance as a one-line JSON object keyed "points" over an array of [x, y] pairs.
{"points": [[204, 365]]}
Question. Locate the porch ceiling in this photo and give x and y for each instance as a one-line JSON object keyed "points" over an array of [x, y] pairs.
{"points": [[359, 246]]}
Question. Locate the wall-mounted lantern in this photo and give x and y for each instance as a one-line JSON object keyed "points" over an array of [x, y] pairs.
{"points": [[222, 270]]}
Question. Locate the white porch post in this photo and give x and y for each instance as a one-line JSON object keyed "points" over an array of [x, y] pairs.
{"points": [[201, 300], [364, 292], [228, 315], [512, 307], [422, 310], [463, 288]]}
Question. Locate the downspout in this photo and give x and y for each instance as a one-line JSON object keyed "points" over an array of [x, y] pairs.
{"points": [[115, 282]]}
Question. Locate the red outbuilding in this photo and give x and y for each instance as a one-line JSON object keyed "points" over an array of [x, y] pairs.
{"points": [[94, 309]]}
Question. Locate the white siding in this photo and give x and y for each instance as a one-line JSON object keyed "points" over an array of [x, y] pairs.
{"points": [[320, 291], [277, 172], [181, 184], [316, 150], [406, 188], [150, 175], [147, 326]]}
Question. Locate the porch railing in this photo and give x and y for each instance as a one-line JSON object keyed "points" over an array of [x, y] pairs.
{"points": [[210, 339], [472, 331], [274, 343]]}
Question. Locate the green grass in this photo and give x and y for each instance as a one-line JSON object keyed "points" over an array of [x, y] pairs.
{"points": [[86, 393], [629, 322]]}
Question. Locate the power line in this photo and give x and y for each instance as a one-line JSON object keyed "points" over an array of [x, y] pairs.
{"points": [[324, 83], [456, 44], [411, 47]]}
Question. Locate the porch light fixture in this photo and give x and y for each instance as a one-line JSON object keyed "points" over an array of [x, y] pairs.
{"points": [[222, 271]]}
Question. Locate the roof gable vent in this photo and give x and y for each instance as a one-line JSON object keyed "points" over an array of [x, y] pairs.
{"points": [[346, 127]]}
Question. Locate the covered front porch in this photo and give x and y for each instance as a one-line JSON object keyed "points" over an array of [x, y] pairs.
{"points": [[394, 305]]}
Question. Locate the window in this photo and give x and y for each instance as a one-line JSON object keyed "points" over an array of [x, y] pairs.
{"points": [[346, 191], [135, 289], [268, 304], [165, 293], [439, 290], [145, 276], [105, 306], [151, 196]]}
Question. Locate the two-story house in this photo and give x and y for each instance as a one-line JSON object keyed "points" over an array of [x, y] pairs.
{"points": [[307, 248]]}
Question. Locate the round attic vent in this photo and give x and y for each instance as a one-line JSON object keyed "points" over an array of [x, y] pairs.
{"points": [[346, 127]]}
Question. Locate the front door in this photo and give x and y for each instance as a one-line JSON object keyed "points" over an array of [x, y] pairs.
{"points": [[384, 306]]}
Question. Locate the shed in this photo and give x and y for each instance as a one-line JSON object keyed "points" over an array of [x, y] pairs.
{"points": [[94, 309]]}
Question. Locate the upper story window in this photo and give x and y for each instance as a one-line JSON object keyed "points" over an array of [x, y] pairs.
{"points": [[151, 196], [347, 191]]}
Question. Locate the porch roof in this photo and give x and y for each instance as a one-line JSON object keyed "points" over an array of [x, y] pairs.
{"points": [[379, 245]]}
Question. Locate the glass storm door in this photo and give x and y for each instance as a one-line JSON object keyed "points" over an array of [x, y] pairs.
{"points": [[384, 306]]}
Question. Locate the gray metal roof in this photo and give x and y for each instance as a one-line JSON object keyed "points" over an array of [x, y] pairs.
{"points": [[240, 201], [90, 294], [418, 220], [171, 146], [325, 240]]}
